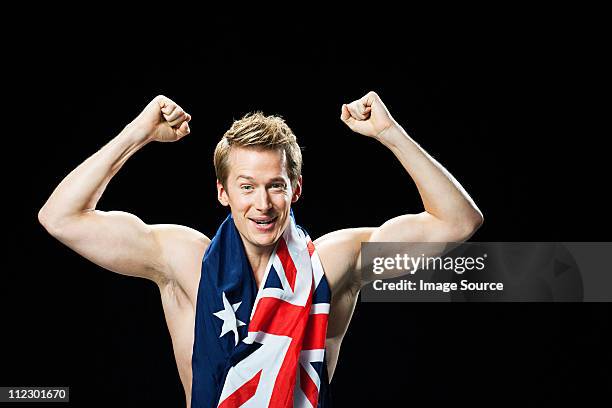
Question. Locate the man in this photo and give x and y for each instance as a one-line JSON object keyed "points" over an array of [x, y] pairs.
{"points": [[258, 165]]}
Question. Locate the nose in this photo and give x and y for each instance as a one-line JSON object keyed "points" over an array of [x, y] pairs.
{"points": [[262, 200]]}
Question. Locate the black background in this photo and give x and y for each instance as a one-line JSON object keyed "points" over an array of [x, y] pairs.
{"points": [[508, 106]]}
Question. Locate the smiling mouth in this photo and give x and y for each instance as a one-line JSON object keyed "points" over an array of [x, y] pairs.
{"points": [[264, 222]]}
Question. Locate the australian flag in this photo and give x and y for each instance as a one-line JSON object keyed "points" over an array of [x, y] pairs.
{"points": [[261, 347]]}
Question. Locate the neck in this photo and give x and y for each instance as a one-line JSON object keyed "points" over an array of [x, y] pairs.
{"points": [[258, 259]]}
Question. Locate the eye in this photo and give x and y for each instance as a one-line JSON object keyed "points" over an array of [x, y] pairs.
{"points": [[246, 187], [278, 186]]}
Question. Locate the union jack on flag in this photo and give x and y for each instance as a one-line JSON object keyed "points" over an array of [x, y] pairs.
{"points": [[261, 347]]}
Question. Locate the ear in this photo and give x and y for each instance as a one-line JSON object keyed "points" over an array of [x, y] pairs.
{"points": [[298, 190], [222, 194]]}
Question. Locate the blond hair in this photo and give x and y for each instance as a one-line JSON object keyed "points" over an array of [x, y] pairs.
{"points": [[257, 130]]}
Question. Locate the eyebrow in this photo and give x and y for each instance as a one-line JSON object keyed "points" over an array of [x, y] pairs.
{"points": [[277, 178]]}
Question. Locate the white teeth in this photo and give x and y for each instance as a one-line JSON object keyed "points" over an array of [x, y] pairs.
{"points": [[263, 222]]}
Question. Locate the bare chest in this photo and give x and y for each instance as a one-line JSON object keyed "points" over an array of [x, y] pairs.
{"points": [[179, 302]]}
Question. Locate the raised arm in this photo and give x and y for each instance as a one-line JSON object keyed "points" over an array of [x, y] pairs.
{"points": [[450, 214], [116, 240]]}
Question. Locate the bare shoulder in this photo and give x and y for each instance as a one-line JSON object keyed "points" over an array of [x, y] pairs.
{"points": [[339, 253], [182, 249]]}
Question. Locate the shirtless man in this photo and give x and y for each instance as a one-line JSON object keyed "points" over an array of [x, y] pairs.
{"points": [[171, 255]]}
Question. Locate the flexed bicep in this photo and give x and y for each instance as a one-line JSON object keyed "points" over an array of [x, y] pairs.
{"points": [[115, 240], [413, 235], [121, 242]]}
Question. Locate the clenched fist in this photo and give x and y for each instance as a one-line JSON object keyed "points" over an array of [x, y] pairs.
{"points": [[367, 116], [162, 120]]}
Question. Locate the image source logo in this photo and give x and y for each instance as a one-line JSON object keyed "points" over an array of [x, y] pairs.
{"points": [[486, 271]]}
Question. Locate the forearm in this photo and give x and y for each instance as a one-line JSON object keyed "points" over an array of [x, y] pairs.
{"points": [[441, 193], [81, 190]]}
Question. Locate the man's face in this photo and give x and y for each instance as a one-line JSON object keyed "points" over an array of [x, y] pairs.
{"points": [[259, 193]]}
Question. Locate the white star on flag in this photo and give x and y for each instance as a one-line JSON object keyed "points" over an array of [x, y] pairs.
{"points": [[230, 323]]}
